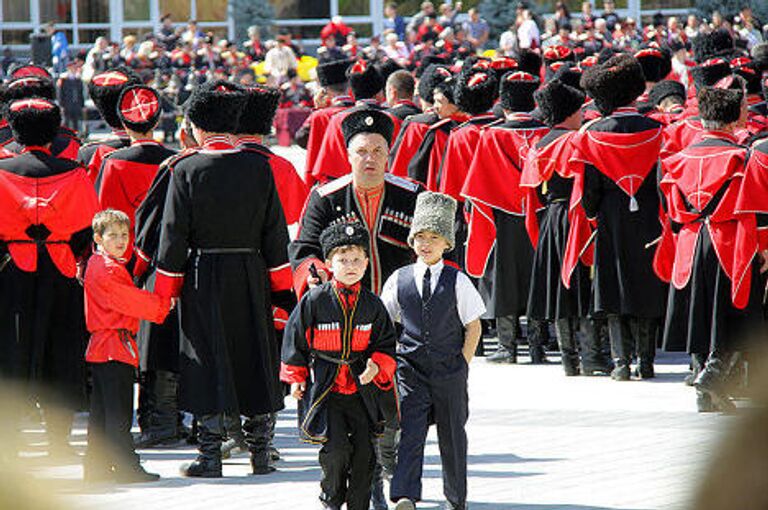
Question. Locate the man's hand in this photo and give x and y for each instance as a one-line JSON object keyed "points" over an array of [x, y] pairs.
{"points": [[371, 371], [314, 282], [764, 264], [297, 389]]}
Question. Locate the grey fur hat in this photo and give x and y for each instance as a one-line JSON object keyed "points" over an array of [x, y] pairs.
{"points": [[435, 212]]}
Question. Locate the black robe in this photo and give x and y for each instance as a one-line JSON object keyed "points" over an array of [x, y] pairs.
{"points": [[337, 202], [353, 337], [223, 250]]}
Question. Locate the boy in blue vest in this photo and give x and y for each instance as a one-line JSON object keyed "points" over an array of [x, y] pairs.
{"points": [[439, 310]]}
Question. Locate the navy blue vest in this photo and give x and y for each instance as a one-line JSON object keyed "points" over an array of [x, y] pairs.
{"points": [[433, 334]]}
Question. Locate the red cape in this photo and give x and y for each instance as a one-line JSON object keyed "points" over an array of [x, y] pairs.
{"points": [[318, 125], [458, 156], [410, 140], [753, 198]]}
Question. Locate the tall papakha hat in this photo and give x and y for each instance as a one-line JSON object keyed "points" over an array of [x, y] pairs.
{"points": [[569, 75], [29, 86], [588, 62], [502, 65], [333, 73], [710, 72], [722, 103], [22, 70], [367, 120], [436, 213], [557, 101], [529, 61], [475, 92], [433, 74], [664, 89], [34, 121], [516, 91], [139, 108], [105, 89], [616, 83], [759, 56], [654, 63], [259, 111], [216, 106], [365, 80], [717, 43], [343, 234], [446, 88], [428, 61], [607, 53], [746, 68]]}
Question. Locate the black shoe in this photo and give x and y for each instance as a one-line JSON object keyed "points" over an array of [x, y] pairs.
{"points": [[503, 355], [260, 464], [202, 467], [134, 474], [538, 356], [620, 373], [645, 371], [596, 370], [151, 440]]}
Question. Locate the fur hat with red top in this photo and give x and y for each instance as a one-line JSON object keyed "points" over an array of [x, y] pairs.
{"points": [[558, 53], [259, 111], [216, 106], [34, 121], [710, 72], [655, 62], [750, 71], [364, 80], [516, 91], [616, 83], [105, 89], [476, 91], [139, 108], [22, 70]]}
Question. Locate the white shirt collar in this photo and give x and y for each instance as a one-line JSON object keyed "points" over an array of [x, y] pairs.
{"points": [[421, 267]]}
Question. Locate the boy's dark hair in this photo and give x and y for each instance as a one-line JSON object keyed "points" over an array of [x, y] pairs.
{"points": [[102, 220]]}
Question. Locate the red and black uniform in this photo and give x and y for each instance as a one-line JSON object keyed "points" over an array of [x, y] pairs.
{"points": [[424, 165], [91, 154], [227, 265], [317, 124], [459, 151], [408, 141], [332, 333], [708, 249], [113, 308], [404, 109], [387, 214], [126, 175], [46, 206], [66, 145], [331, 162]]}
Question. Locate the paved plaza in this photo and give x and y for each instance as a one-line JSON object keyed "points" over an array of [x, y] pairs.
{"points": [[538, 441]]}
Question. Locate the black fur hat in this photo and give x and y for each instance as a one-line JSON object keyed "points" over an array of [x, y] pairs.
{"points": [[343, 234], [557, 101], [105, 89], [616, 83], [34, 121], [718, 43], [475, 92], [720, 103], [388, 67], [570, 75], [607, 54], [139, 108], [333, 73], [427, 61], [656, 65], [433, 74], [516, 91], [529, 61], [664, 89], [29, 86], [502, 65], [760, 56], [447, 88], [259, 111], [367, 120], [710, 72], [751, 73], [216, 106], [365, 80]]}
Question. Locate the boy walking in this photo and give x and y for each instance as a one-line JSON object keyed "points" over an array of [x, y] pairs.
{"points": [[439, 310], [113, 308], [340, 332]]}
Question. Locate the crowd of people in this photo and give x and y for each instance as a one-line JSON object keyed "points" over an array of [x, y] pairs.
{"points": [[618, 193]]}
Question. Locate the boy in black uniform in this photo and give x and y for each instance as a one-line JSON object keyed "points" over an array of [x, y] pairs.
{"points": [[439, 310], [341, 332]]}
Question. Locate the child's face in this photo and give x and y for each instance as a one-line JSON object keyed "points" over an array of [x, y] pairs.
{"points": [[348, 265], [429, 246], [115, 239]]}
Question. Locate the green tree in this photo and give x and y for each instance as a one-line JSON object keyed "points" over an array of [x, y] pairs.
{"points": [[251, 12], [499, 14]]}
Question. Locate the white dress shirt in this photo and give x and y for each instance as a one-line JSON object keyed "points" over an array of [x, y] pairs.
{"points": [[468, 301]]}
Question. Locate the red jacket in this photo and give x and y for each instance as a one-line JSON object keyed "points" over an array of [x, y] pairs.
{"points": [[113, 308]]}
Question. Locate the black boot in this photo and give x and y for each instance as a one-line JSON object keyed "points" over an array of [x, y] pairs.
{"points": [[566, 339], [645, 347], [537, 334], [161, 427], [593, 362], [712, 380], [208, 462], [274, 453], [133, 472], [506, 329], [697, 365], [256, 430], [235, 441], [620, 334]]}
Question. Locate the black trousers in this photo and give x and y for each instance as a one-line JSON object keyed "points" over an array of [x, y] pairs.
{"points": [[347, 458], [109, 425]]}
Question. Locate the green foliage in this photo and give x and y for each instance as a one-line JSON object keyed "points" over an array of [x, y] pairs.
{"points": [[499, 14], [251, 12]]}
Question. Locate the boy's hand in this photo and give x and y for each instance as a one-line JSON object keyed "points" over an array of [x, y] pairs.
{"points": [[371, 371], [297, 389], [322, 277]]}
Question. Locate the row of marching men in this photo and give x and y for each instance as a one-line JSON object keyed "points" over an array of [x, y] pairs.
{"points": [[602, 198], [51, 186]]}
